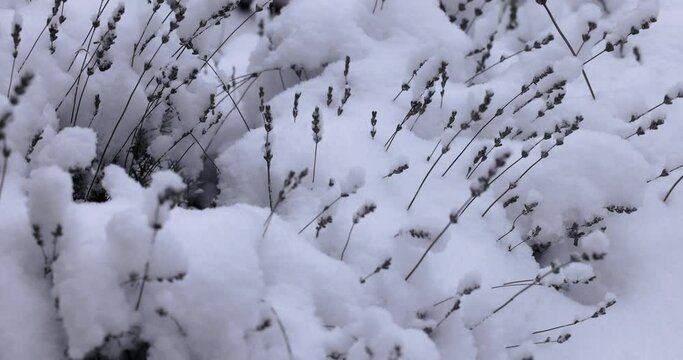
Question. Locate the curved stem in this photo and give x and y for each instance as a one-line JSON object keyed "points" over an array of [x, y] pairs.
{"points": [[672, 188]]}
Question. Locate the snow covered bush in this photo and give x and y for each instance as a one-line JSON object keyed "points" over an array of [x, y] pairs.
{"points": [[319, 179]]}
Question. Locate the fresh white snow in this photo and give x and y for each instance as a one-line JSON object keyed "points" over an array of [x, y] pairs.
{"points": [[413, 240]]}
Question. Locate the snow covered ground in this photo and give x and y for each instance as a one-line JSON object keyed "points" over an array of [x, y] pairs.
{"points": [[643, 268], [332, 235]]}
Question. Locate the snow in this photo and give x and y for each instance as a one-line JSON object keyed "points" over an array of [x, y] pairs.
{"points": [[49, 196], [70, 148], [135, 215]]}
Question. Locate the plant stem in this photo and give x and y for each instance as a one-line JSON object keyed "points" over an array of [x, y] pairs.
{"points": [[327, 207], [111, 136], [566, 41], [453, 220], [5, 160], [11, 76], [348, 238], [137, 43], [47, 23], [424, 255], [155, 230], [536, 281], [424, 180], [672, 188], [498, 113], [315, 160]]}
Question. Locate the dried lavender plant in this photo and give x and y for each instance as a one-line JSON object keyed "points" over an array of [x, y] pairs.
{"points": [[364, 211]]}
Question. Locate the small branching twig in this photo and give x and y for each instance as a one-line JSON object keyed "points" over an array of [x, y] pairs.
{"points": [[532, 235], [55, 9], [528, 209]]}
